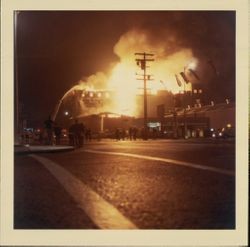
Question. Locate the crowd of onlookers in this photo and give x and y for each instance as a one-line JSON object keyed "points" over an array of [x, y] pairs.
{"points": [[54, 134], [77, 134], [134, 133], [122, 134]]}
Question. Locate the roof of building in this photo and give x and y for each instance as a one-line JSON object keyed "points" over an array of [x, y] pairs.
{"points": [[203, 109]]}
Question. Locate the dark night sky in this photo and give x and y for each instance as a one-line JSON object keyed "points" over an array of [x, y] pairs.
{"points": [[56, 49]]}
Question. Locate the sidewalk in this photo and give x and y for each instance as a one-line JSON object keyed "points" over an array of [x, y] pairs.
{"points": [[28, 149]]}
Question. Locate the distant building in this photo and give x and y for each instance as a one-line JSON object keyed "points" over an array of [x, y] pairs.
{"points": [[201, 121], [166, 114]]}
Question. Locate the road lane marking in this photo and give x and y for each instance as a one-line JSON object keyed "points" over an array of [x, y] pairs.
{"points": [[101, 212], [169, 161]]}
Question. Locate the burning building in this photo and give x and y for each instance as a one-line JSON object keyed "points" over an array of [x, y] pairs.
{"points": [[178, 82]]}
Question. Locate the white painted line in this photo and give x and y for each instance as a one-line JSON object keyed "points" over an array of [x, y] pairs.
{"points": [[102, 213], [169, 161]]}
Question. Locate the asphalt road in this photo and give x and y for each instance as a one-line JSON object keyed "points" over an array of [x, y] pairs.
{"points": [[127, 185]]}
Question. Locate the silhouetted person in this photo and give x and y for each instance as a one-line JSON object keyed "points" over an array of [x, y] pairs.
{"points": [[135, 133], [130, 131], [49, 129], [123, 134], [71, 135], [117, 134], [154, 133], [27, 137], [88, 134], [80, 134], [58, 133], [41, 137]]}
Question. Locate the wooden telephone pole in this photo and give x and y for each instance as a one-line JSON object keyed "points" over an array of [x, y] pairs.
{"points": [[142, 62]]}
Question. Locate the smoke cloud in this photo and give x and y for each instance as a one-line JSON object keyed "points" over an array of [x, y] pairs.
{"points": [[186, 40]]}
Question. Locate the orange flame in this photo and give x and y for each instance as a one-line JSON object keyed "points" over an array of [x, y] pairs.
{"points": [[122, 78]]}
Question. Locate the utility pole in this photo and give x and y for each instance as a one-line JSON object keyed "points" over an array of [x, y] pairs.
{"points": [[142, 62], [183, 74], [185, 114], [175, 122]]}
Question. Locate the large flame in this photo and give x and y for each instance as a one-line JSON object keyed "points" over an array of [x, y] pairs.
{"points": [[124, 75], [169, 60], [125, 85]]}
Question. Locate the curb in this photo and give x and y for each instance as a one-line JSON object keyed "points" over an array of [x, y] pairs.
{"points": [[31, 150]]}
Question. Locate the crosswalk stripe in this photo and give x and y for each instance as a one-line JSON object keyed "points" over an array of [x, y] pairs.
{"points": [[101, 212], [169, 161]]}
